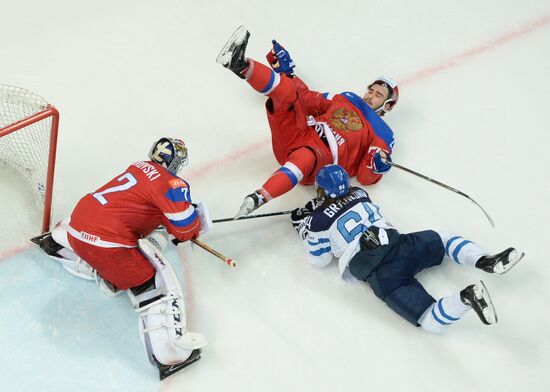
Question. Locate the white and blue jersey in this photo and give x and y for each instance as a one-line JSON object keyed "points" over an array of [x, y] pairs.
{"points": [[335, 230]]}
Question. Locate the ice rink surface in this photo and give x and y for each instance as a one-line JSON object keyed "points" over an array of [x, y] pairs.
{"points": [[473, 113]]}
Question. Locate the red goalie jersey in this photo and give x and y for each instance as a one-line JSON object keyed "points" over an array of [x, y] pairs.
{"points": [[132, 205]]}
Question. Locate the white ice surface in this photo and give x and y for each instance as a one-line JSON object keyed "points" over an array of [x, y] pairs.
{"points": [[123, 73]]}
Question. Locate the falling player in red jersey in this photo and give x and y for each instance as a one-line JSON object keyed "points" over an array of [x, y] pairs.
{"points": [[112, 237], [310, 129]]}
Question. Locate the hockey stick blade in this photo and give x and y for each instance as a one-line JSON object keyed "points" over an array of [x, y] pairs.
{"points": [[393, 164]]}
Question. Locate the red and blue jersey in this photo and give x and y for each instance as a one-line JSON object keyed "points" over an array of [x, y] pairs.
{"points": [[132, 205], [357, 128]]}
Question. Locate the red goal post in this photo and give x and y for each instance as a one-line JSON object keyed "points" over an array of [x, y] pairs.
{"points": [[28, 142]]}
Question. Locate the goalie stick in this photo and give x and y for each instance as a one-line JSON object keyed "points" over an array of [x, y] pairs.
{"points": [[227, 260], [393, 164]]}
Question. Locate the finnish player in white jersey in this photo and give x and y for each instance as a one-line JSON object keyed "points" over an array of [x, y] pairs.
{"points": [[344, 223]]}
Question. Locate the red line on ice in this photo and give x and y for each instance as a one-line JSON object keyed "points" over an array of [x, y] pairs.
{"points": [[483, 48], [452, 61]]}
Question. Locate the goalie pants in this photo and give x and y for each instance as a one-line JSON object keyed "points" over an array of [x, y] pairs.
{"points": [[390, 271], [123, 267]]}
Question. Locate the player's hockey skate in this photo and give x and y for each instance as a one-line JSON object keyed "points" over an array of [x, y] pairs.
{"points": [[477, 296], [501, 262], [232, 55], [168, 370], [251, 203]]}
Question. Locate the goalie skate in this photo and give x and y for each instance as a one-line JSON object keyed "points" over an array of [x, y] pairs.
{"points": [[501, 262], [168, 370], [47, 244], [232, 54], [477, 296]]}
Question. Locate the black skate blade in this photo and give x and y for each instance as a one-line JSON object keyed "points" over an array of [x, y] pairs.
{"points": [[38, 239], [168, 370]]}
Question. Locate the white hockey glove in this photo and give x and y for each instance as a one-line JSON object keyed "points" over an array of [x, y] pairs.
{"points": [[204, 216]]}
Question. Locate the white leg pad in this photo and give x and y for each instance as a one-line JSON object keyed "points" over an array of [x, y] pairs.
{"points": [[69, 260], [59, 233], [159, 238], [77, 267], [162, 323]]}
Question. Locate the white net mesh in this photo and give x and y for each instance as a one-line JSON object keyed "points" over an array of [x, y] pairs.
{"points": [[25, 150]]}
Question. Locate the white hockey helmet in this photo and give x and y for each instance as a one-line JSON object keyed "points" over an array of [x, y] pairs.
{"points": [[170, 153], [393, 93]]}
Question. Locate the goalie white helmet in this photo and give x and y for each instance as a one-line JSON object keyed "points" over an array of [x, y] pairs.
{"points": [[170, 153]]}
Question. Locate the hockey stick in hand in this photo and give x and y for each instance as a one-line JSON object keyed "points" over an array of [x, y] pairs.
{"points": [[393, 164], [252, 216], [230, 262], [225, 259]]}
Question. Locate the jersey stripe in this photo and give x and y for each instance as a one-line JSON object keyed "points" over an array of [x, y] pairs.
{"points": [[183, 218]]}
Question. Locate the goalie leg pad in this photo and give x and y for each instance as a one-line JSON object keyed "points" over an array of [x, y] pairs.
{"points": [[159, 238], [57, 246], [162, 320], [59, 234], [77, 268]]}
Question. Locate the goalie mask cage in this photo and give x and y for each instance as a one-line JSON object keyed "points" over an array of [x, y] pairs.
{"points": [[28, 139]]}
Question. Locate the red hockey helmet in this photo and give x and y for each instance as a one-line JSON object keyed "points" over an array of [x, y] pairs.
{"points": [[393, 93]]}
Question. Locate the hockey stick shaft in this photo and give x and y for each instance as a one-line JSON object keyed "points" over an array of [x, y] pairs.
{"points": [[393, 164], [252, 216], [230, 262]]}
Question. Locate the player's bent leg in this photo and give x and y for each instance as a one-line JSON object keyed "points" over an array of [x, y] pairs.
{"points": [[466, 252], [460, 250], [448, 310], [409, 299], [162, 319], [280, 88], [443, 313], [301, 161]]}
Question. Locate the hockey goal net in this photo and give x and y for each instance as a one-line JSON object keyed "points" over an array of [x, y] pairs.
{"points": [[28, 139]]}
